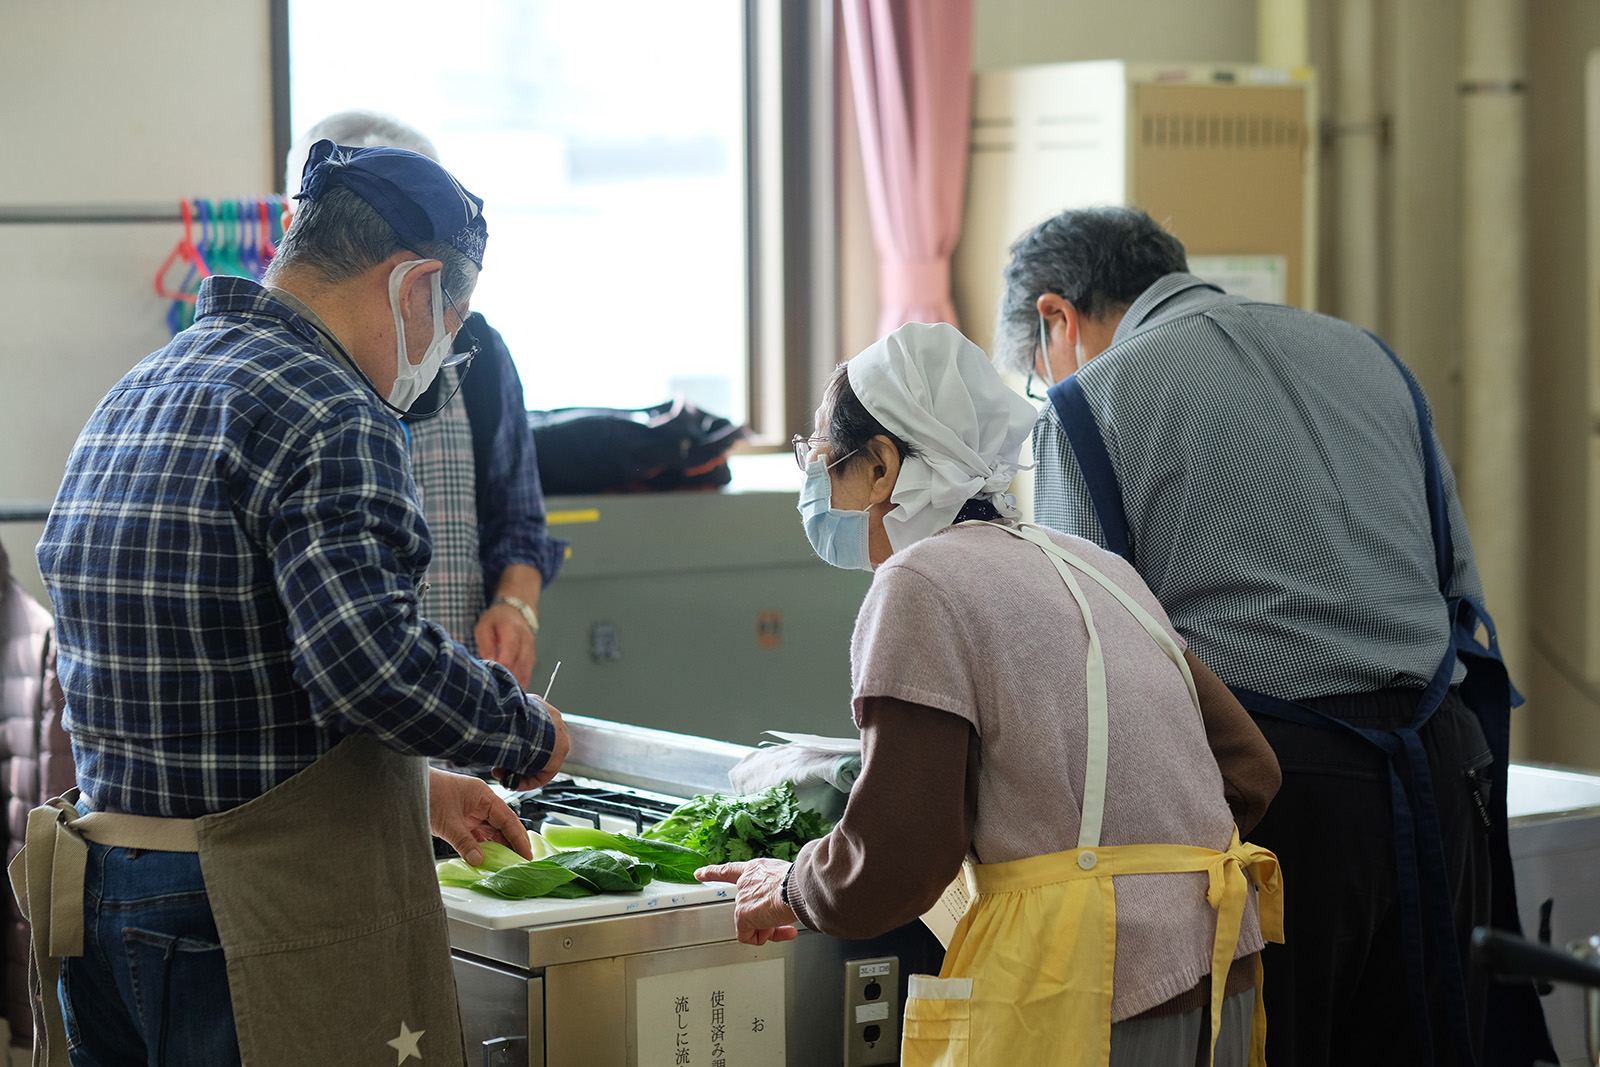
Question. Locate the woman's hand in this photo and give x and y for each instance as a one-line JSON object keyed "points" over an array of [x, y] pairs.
{"points": [[464, 811], [759, 912]]}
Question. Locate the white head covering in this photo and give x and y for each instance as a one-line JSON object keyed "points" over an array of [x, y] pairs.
{"points": [[938, 392]]}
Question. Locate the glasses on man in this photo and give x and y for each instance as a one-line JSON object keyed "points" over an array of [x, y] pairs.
{"points": [[455, 359], [803, 446], [1044, 352]]}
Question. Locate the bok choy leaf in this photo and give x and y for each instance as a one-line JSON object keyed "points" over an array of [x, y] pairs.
{"points": [[672, 862]]}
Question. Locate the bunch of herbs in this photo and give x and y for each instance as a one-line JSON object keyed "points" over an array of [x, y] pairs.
{"points": [[731, 827]]}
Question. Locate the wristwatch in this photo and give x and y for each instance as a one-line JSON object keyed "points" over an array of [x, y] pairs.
{"points": [[527, 613]]}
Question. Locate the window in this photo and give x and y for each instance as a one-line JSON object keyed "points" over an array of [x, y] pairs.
{"points": [[609, 143]]}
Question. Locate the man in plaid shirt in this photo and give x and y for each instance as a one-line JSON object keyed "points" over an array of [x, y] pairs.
{"points": [[235, 560]]}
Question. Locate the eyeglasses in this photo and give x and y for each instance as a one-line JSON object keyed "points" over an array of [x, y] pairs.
{"points": [[802, 451], [1044, 350], [455, 359]]}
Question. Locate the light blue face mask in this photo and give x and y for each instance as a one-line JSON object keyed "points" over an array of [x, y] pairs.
{"points": [[839, 537]]}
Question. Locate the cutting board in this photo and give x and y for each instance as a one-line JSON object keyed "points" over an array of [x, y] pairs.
{"points": [[481, 909]]}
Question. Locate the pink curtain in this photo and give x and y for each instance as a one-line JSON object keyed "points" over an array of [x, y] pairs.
{"points": [[911, 68]]}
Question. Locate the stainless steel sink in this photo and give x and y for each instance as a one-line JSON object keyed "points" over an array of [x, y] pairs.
{"points": [[1555, 850]]}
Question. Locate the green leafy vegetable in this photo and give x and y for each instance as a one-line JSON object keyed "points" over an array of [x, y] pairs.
{"points": [[728, 828], [458, 872], [577, 873], [498, 857], [608, 872], [522, 881], [672, 862]]}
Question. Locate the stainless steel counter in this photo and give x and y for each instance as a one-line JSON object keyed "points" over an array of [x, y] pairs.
{"points": [[1555, 850]]}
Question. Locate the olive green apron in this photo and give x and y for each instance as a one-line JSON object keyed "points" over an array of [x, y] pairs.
{"points": [[326, 905]]}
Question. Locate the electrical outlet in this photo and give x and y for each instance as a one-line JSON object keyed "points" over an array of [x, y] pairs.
{"points": [[604, 645], [871, 1011]]}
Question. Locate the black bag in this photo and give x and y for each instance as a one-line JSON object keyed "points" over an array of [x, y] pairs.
{"points": [[673, 445]]}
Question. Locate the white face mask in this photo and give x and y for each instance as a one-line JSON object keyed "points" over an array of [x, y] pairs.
{"points": [[412, 381]]}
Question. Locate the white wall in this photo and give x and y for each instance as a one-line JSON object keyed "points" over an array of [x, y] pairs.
{"points": [[107, 102]]}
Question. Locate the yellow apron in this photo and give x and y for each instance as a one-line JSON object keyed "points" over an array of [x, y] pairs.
{"points": [[1027, 978], [326, 904]]}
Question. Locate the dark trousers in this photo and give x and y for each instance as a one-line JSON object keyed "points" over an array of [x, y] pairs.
{"points": [[1336, 991]]}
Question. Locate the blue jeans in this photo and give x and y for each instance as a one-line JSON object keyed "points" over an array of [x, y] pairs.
{"points": [[151, 988]]}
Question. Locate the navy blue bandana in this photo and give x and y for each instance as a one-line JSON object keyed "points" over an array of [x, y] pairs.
{"points": [[412, 193]]}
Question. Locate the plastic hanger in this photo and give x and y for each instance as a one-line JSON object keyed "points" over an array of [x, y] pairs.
{"points": [[267, 208], [187, 253], [229, 237], [249, 238]]}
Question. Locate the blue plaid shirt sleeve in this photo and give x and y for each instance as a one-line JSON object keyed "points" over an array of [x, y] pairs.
{"points": [[343, 539]]}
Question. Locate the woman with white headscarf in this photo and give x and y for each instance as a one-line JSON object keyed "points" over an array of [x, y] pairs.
{"points": [[1024, 706]]}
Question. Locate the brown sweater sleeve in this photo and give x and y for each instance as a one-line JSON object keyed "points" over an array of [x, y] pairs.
{"points": [[906, 829], [1250, 773]]}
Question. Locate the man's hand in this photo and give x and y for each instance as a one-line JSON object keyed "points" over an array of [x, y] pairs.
{"points": [[503, 636], [464, 811], [558, 755], [759, 913]]}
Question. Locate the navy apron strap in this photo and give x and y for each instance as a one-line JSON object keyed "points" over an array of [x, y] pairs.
{"points": [[1083, 434], [1515, 1029], [1444, 555], [1418, 850]]}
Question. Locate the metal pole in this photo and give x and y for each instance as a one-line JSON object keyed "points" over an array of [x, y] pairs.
{"points": [[88, 213], [1493, 469]]}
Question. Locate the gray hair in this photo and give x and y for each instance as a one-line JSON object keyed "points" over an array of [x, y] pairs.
{"points": [[1098, 259], [339, 235], [357, 128]]}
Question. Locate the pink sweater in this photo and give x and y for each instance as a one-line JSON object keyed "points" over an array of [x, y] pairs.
{"points": [[977, 624]]}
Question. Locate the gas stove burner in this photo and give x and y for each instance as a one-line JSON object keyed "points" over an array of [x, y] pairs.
{"points": [[570, 802]]}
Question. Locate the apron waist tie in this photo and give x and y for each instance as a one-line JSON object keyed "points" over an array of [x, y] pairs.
{"points": [[1418, 848], [1230, 873], [47, 875], [47, 880], [1227, 893]]}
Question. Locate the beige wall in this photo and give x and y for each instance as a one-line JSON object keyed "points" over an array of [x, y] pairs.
{"points": [[1421, 314], [1013, 33], [107, 102], [1565, 679]]}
